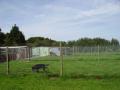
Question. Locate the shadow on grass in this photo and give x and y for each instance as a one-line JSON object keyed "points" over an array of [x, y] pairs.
{"points": [[83, 76], [45, 60], [98, 77], [54, 76]]}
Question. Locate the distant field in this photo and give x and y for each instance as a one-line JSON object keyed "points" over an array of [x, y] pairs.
{"points": [[81, 72]]}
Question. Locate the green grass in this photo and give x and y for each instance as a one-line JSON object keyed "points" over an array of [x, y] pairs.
{"points": [[81, 72]]}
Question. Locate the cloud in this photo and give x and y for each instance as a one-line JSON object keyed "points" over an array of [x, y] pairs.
{"points": [[58, 17]]}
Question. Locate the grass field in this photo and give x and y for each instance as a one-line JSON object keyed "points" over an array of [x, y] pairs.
{"points": [[81, 72]]}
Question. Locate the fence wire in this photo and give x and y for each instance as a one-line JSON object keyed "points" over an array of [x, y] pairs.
{"points": [[23, 53]]}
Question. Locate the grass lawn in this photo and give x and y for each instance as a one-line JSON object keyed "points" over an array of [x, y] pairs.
{"points": [[81, 72]]}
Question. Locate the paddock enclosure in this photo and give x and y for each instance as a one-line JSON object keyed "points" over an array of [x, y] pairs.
{"points": [[98, 61]]}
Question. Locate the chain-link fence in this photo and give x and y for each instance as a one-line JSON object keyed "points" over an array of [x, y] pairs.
{"points": [[11, 54], [14, 53], [24, 52], [35, 55]]}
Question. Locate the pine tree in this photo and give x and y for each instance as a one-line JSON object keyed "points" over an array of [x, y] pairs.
{"points": [[16, 37]]}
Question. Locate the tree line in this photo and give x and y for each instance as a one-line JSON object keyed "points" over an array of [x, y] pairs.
{"points": [[93, 42], [16, 38], [41, 41]]}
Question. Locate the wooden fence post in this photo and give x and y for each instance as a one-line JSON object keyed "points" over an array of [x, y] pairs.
{"points": [[28, 53], [61, 55], [91, 50], [7, 59], [73, 50], [98, 52]]}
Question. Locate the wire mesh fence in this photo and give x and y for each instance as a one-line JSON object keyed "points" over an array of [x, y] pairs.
{"points": [[24, 52], [8, 54], [51, 55], [14, 53]]}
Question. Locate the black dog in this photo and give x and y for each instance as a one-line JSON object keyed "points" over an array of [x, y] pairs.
{"points": [[37, 67]]}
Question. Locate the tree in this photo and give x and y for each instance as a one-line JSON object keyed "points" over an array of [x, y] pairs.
{"points": [[2, 38], [8, 40], [114, 42], [15, 37], [41, 41], [90, 42]]}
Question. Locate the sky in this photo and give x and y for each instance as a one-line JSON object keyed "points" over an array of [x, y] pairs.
{"points": [[62, 19]]}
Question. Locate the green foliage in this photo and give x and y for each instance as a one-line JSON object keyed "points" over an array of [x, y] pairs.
{"points": [[8, 40], [41, 41], [114, 42], [14, 38], [93, 42], [2, 38]]}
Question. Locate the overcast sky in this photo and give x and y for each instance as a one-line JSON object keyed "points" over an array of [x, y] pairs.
{"points": [[62, 19]]}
